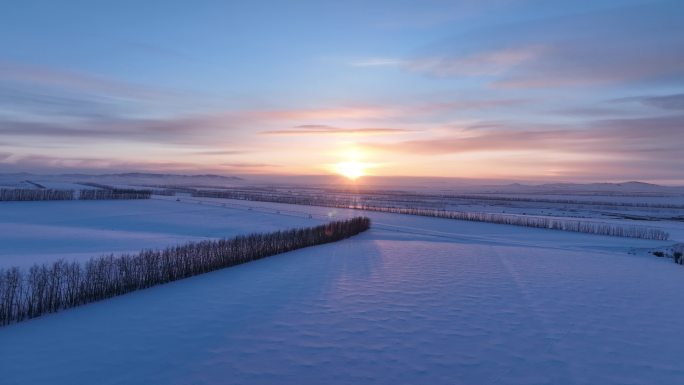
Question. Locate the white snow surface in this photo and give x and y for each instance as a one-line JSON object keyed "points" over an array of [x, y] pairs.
{"points": [[45, 231], [412, 301]]}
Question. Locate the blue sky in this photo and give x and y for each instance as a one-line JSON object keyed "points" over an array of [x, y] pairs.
{"points": [[544, 90]]}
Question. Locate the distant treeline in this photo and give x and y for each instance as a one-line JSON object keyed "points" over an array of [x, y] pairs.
{"points": [[37, 185], [309, 200], [508, 219], [155, 191], [26, 194], [97, 185], [64, 195], [106, 192], [407, 200], [48, 288], [164, 191], [564, 201], [433, 200], [445, 199], [116, 193], [587, 227]]}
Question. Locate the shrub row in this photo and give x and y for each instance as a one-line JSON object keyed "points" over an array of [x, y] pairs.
{"points": [[47, 288]]}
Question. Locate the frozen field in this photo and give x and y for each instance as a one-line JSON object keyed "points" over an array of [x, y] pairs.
{"points": [[33, 232], [474, 229], [413, 301], [43, 231]]}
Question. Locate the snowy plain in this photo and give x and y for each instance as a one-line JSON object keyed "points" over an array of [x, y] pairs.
{"points": [[413, 301], [44, 231]]}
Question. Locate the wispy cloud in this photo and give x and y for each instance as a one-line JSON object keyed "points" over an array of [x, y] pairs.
{"points": [[375, 111], [174, 130], [586, 48], [87, 122], [220, 152], [50, 77], [377, 62], [317, 129], [665, 102], [488, 63], [594, 112], [334, 113], [247, 165], [624, 137], [562, 64], [32, 162], [42, 102], [580, 64]]}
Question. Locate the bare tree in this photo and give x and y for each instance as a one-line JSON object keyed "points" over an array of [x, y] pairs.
{"points": [[47, 288]]}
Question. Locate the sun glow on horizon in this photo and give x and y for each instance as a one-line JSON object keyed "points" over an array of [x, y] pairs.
{"points": [[351, 169]]}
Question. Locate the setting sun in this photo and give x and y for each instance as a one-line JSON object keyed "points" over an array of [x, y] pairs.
{"points": [[351, 170]]}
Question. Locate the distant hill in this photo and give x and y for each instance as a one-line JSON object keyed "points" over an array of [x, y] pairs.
{"points": [[418, 184], [143, 175], [631, 187], [132, 178]]}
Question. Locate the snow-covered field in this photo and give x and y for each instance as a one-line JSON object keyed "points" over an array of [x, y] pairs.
{"points": [[42, 231], [674, 228], [413, 301]]}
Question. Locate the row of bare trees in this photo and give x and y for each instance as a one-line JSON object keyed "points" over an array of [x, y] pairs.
{"points": [[164, 191], [588, 227], [47, 288], [658, 205], [106, 192], [27, 194], [36, 185], [304, 199], [62, 195], [114, 193]]}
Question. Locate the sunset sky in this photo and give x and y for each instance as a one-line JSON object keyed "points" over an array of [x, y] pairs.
{"points": [[535, 90]]}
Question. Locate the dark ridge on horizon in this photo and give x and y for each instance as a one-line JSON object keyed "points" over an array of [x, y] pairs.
{"points": [[377, 181], [121, 175]]}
